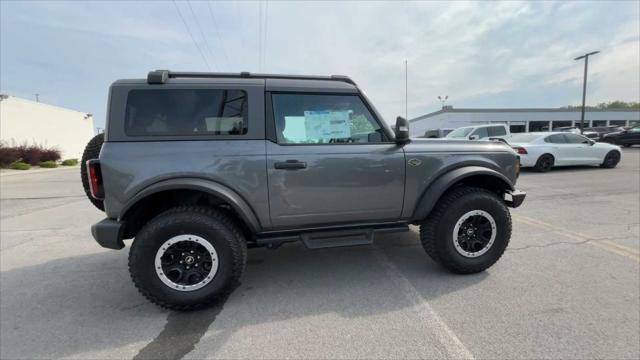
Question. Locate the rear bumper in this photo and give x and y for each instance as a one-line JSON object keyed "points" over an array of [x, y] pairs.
{"points": [[108, 233], [514, 198]]}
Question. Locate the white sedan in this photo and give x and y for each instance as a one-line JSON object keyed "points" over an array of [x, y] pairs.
{"points": [[544, 150]]}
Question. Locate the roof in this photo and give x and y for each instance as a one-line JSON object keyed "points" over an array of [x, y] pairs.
{"points": [[512, 110]]}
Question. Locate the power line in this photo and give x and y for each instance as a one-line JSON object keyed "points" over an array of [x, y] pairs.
{"points": [[191, 35], [266, 27], [260, 36], [204, 38], [215, 25]]}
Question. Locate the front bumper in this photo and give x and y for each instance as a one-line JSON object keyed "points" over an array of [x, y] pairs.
{"points": [[108, 233], [514, 198]]}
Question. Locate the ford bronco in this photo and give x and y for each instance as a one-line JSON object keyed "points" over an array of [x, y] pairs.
{"points": [[198, 167]]}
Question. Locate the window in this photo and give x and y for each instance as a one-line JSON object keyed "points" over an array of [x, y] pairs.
{"points": [[481, 132], [555, 139], [598, 123], [617, 122], [538, 126], [575, 139], [186, 112], [324, 119], [497, 131], [460, 133], [561, 124]]}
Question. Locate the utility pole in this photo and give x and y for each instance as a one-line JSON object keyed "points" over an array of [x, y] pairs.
{"points": [[406, 91], [584, 85]]}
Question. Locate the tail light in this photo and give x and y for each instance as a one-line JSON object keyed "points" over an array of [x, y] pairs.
{"points": [[95, 179], [520, 150]]}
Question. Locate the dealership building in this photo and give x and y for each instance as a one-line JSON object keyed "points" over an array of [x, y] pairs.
{"points": [[29, 122], [522, 120]]}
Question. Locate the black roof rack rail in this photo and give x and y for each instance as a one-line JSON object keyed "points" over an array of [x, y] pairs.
{"points": [[161, 76]]}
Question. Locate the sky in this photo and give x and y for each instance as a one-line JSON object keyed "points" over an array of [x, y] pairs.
{"points": [[480, 54]]}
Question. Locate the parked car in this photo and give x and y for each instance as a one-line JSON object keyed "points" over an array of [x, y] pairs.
{"points": [[544, 150], [478, 132], [625, 138], [604, 130], [436, 133], [576, 130], [267, 159]]}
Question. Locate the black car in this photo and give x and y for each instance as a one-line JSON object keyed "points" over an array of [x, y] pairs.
{"points": [[625, 138], [603, 130]]}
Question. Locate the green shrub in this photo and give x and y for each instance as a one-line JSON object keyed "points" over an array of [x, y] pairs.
{"points": [[69, 162], [49, 164], [19, 165]]}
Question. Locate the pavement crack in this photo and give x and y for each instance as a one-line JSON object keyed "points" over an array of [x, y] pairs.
{"points": [[556, 243], [181, 333]]}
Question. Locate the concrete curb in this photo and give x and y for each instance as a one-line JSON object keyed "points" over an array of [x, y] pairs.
{"points": [[10, 172]]}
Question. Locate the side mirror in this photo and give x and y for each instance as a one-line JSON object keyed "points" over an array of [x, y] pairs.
{"points": [[474, 137], [402, 130]]}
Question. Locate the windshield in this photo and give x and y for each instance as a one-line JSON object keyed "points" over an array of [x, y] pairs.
{"points": [[459, 133], [523, 137]]}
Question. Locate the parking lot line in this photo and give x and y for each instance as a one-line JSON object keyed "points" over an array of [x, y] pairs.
{"points": [[604, 244], [446, 336]]}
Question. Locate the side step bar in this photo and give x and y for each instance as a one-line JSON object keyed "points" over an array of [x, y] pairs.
{"points": [[332, 237]]}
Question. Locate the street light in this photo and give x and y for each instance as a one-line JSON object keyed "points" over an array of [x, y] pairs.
{"points": [[443, 100], [584, 85]]}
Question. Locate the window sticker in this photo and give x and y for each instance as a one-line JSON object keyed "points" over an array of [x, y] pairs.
{"points": [[322, 126]]}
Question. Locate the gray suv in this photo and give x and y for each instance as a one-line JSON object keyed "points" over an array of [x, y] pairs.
{"points": [[199, 167]]}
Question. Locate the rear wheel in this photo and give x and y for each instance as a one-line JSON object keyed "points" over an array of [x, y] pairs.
{"points": [[468, 230], [91, 151], [187, 257], [544, 163], [611, 160]]}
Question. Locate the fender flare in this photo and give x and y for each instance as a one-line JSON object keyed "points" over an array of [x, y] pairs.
{"points": [[216, 189], [432, 194]]}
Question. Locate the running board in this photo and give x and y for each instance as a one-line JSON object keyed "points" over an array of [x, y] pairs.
{"points": [[332, 238]]}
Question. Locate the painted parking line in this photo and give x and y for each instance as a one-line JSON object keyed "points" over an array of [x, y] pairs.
{"points": [[445, 336], [604, 244]]}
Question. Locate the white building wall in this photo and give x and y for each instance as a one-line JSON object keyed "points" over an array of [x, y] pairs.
{"points": [[454, 119], [26, 121]]}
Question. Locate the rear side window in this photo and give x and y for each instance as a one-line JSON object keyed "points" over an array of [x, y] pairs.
{"points": [[575, 139], [161, 112], [555, 139], [497, 131]]}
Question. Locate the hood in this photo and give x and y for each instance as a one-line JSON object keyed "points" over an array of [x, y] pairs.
{"points": [[454, 145]]}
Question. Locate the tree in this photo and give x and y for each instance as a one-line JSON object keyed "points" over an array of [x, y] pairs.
{"points": [[617, 104]]}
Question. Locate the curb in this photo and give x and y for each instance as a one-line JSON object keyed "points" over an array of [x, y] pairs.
{"points": [[9, 172]]}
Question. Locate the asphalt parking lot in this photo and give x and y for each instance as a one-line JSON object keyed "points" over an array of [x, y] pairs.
{"points": [[568, 286]]}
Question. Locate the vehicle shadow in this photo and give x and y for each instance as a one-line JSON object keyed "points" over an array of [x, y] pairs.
{"points": [[86, 306]]}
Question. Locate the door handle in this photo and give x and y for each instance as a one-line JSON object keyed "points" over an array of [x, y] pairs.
{"points": [[290, 165]]}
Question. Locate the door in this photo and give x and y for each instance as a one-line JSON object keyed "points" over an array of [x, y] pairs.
{"points": [[331, 162], [581, 150], [560, 149], [631, 137]]}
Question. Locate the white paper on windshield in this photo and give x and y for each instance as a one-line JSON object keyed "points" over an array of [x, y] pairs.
{"points": [[326, 125]]}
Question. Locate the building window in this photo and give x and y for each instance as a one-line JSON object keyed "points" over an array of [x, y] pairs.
{"points": [[587, 123], [558, 124], [618, 122], [538, 126], [517, 128], [599, 123]]}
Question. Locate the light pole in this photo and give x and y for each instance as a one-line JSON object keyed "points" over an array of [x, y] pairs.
{"points": [[443, 100], [584, 85]]}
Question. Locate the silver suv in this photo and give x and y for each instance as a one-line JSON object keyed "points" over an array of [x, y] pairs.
{"points": [[198, 167]]}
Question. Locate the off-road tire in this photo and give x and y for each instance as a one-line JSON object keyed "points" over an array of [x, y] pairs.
{"points": [[215, 227], [91, 151], [545, 163], [436, 232], [611, 160]]}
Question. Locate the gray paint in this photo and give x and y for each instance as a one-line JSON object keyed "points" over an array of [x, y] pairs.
{"points": [[341, 185]]}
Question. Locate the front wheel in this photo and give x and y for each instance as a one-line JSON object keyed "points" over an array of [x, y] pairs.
{"points": [[544, 163], [468, 230], [611, 160], [187, 257]]}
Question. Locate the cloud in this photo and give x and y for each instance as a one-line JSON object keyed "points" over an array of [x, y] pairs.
{"points": [[478, 53]]}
